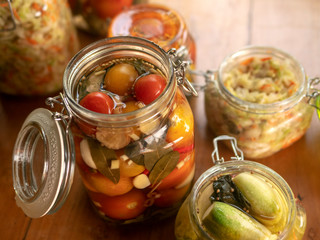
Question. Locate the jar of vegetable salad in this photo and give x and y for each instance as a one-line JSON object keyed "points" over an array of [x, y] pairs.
{"points": [[262, 97], [94, 16], [240, 199], [133, 135], [159, 24], [37, 39]]}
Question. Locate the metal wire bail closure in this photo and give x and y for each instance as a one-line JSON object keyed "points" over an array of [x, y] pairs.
{"points": [[180, 69], [313, 93], [43, 161], [215, 154]]}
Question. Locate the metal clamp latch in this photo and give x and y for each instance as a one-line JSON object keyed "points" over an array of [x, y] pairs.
{"points": [[313, 93], [60, 99], [209, 77], [215, 154], [180, 69]]}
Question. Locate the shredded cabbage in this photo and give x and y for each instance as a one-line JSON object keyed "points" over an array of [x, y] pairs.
{"points": [[261, 80], [36, 52]]}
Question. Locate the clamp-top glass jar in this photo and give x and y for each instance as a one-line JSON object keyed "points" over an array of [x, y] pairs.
{"points": [[261, 96], [37, 39], [240, 199], [135, 155], [159, 24]]}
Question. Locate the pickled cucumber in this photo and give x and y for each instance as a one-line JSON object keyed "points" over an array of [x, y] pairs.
{"points": [[265, 203], [224, 221]]}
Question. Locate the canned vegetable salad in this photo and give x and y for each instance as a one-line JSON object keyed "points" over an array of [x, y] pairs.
{"points": [[262, 97]]}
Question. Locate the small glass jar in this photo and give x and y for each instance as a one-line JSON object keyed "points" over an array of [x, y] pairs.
{"points": [[190, 219], [136, 166], [260, 96], [156, 23], [94, 16], [37, 41]]}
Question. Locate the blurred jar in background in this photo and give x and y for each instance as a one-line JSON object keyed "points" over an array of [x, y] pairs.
{"points": [[93, 16], [158, 24], [37, 41]]}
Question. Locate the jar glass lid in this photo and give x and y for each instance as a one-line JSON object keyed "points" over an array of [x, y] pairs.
{"points": [[43, 164]]}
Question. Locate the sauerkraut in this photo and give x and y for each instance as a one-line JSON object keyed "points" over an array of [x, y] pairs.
{"points": [[35, 52], [261, 81]]}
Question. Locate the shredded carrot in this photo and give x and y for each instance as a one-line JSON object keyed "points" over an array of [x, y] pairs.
{"points": [[289, 114], [265, 59], [264, 86], [291, 141], [36, 6], [3, 4], [56, 48], [16, 14], [247, 61], [241, 138], [31, 41], [292, 83]]}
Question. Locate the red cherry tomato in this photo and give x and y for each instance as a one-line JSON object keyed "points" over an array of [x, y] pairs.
{"points": [[149, 87], [98, 102], [109, 8], [171, 196], [179, 175]]}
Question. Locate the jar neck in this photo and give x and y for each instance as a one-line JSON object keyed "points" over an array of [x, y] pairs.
{"points": [[109, 49], [202, 189], [265, 52]]}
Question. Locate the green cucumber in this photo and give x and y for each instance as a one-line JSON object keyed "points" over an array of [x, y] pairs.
{"points": [[224, 221], [264, 201]]}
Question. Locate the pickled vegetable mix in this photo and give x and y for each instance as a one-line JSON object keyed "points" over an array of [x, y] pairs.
{"points": [[37, 42], [260, 103], [261, 80], [139, 171]]}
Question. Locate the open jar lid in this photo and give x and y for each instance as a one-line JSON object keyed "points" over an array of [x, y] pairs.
{"points": [[43, 163]]}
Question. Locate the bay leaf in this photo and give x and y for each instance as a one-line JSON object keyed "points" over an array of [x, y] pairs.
{"points": [[102, 157], [164, 166], [148, 150], [157, 149], [135, 151]]}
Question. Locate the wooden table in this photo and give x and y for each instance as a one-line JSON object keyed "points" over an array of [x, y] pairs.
{"points": [[219, 27]]}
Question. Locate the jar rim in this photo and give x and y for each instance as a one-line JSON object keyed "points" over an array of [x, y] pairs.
{"points": [[267, 108], [134, 44], [237, 166]]}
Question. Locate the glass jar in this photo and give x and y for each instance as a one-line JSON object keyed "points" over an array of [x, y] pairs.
{"points": [[156, 23], [37, 41], [136, 165], [94, 16], [260, 96], [192, 220]]}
